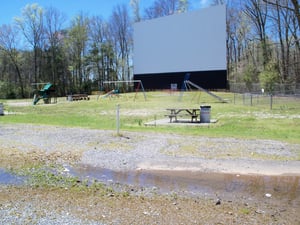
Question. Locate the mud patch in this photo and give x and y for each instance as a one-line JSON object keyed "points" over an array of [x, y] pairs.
{"points": [[284, 188]]}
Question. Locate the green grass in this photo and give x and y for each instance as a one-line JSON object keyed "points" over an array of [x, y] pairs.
{"points": [[234, 120]]}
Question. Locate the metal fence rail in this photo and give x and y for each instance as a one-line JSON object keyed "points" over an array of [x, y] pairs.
{"points": [[268, 101], [279, 89]]}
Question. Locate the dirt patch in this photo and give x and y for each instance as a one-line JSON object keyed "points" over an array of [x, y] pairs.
{"points": [[60, 206], [162, 154]]}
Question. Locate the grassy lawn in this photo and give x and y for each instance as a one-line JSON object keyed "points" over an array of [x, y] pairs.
{"points": [[235, 119]]}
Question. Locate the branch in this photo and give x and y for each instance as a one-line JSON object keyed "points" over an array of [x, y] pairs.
{"points": [[296, 10], [277, 4]]}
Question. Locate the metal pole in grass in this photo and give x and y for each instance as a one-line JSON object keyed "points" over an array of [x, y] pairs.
{"points": [[118, 119], [271, 101], [234, 98]]}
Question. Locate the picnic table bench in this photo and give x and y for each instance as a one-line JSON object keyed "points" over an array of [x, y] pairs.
{"points": [[176, 112], [77, 97]]}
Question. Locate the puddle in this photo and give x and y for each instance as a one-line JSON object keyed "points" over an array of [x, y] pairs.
{"points": [[285, 188], [7, 178], [198, 183]]}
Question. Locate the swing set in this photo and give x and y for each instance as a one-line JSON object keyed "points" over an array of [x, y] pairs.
{"points": [[113, 88]]}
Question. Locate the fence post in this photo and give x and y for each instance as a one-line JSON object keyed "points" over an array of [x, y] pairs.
{"points": [[271, 101], [234, 98], [118, 119]]}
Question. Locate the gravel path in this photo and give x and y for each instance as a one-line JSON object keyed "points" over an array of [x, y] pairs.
{"points": [[143, 151], [154, 151]]}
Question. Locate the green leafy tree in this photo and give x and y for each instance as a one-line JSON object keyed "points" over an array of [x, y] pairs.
{"points": [[250, 76], [269, 77]]}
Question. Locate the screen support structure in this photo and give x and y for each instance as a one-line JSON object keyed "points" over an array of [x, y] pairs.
{"points": [[138, 82]]}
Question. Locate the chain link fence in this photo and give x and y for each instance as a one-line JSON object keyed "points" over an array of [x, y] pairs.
{"points": [[256, 88], [283, 97]]}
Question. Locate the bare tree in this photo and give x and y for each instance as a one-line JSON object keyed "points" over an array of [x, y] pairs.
{"points": [[218, 2], [283, 16], [165, 7], [8, 44], [98, 54], [256, 10], [295, 8], [31, 25], [135, 5], [54, 21], [121, 29]]}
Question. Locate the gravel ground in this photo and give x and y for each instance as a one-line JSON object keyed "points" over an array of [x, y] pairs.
{"points": [[154, 151], [143, 151]]}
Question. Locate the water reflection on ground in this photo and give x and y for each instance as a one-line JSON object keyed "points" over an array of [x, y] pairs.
{"points": [[7, 178], [285, 187]]}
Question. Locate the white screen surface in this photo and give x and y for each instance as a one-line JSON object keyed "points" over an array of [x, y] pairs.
{"points": [[193, 41]]}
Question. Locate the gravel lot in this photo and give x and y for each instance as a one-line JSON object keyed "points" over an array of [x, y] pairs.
{"points": [[144, 151], [155, 151]]}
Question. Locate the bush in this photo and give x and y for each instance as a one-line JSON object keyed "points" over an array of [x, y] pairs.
{"points": [[250, 76], [269, 77]]}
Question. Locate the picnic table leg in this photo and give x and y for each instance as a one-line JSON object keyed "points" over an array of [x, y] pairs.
{"points": [[171, 118], [194, 115]]}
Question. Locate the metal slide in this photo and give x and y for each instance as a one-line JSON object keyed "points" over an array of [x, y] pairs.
{"points": [[45, 93], [187, 82]]}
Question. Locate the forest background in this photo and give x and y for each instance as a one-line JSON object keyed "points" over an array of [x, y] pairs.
{"points": [[263, 47]]}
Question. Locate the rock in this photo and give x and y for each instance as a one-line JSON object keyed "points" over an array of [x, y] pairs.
{"points": [[268, 195], [146, 213], [218, 202], [258, 211]]}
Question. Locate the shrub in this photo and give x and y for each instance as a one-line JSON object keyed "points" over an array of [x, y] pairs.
{"points": [[250, 76], [269, 77]]}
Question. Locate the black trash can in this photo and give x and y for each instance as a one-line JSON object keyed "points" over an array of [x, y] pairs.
{"points": [[205, 113]]}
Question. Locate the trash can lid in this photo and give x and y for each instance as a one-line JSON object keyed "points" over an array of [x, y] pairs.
{"points": [[205, 106]]}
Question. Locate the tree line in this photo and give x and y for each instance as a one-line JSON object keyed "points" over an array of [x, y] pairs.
{"points": [[263, 45]]}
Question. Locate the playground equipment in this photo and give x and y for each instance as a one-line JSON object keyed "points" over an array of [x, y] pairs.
{"points": [[111, 93], [47, 93], [115, 91], [187, 84]]}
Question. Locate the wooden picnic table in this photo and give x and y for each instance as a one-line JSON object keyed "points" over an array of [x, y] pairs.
{"points": [[175, 112], [77, 97]]}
